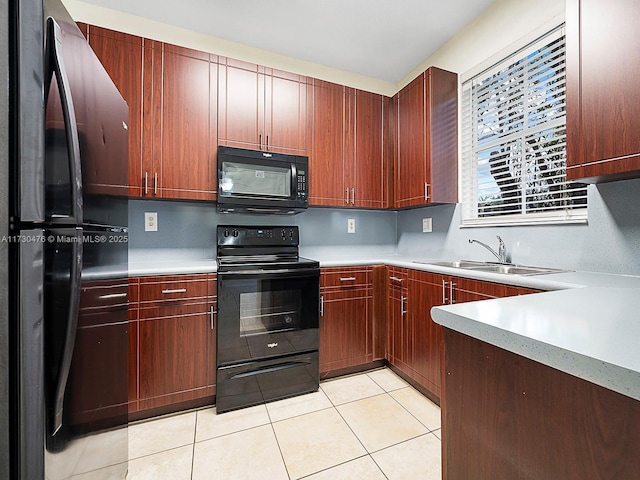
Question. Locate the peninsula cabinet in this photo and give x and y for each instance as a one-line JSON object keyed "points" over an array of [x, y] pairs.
{"points": [[603, 93], [175, 349], [508, 417], [347, 148], [346, 318], [426, 140], [262, 108], [172, 96]]}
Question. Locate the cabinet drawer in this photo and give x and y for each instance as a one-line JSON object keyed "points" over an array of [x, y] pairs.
{"points": [[350, 277], [176, 289]]}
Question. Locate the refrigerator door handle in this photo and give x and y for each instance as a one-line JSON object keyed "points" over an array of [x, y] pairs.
{"points": [[70, 333], [70, 122]]}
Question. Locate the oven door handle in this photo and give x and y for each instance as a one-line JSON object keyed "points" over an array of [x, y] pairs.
{"points": [[270, 369], [279, 272]]}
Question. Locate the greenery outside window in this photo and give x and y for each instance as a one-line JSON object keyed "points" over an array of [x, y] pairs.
{"points": [[514, 141]]}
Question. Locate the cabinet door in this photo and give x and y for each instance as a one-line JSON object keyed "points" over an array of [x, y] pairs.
{"points": [[286, 113], [369, 167], [174, 357], [603, 107], [122, 57], [410, 180], [326, 165], [345, 330], [182, 139], [241, 111], [399, 331], [441, 167], [426, 291]]}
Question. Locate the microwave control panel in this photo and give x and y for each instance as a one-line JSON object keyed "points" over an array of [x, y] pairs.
{"points": [[302, 183]]}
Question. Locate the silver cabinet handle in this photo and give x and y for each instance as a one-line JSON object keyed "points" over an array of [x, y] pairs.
{"points": [[353, 196], [146, 183], [347, 279], [212, 312], [426, 191], [451, 287], [396, 279], [155, 183], [444, 292], [322, 305], [346, 196], [175, 290], [402, 310], [112, 295]]}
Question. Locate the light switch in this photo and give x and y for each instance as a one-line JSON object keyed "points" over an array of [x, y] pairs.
{"points": [[150, 221], [351, 225], [426, 225]]}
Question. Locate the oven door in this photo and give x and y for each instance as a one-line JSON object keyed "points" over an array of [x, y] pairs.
{"points": [[267, 313]]}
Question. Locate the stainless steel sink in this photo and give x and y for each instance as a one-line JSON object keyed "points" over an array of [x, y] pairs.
{"points": [[455, 263], [516, 269], [492, 267]]}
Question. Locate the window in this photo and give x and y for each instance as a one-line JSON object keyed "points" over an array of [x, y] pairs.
{"points": [[514, 139]]}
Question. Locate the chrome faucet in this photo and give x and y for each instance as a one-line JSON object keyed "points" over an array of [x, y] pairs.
{"points": [[501, 254]]}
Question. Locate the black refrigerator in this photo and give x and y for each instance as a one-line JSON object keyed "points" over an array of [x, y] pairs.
{"points": [[66, 285]]}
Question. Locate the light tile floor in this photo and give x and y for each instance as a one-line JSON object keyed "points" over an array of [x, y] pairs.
{"points": [[367, 426]]}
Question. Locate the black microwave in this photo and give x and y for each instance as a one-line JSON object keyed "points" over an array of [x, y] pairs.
{"points": [[254, 181]]}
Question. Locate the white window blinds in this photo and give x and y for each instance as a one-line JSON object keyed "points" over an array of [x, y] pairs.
{"points": [[514, 138]]}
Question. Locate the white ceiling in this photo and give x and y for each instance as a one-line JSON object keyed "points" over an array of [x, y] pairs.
{"points": [[381, 39]]}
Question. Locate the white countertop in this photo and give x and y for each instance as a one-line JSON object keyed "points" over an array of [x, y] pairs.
{"points": [[171, 261], [591, 333]]}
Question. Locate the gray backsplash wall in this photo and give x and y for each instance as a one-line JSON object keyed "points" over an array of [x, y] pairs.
{"points": [[192, 225], [610, 242]]}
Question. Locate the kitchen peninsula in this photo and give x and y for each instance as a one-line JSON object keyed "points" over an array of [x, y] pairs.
{"points": [[542, 389]]}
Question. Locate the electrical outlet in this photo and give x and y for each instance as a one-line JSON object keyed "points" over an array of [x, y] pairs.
{"points": [[351, 225], [150, 221], [426, 225]]}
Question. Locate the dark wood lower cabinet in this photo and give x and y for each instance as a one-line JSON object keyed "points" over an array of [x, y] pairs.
{"points": [[507, 417], [346, 318], [172, 345]]}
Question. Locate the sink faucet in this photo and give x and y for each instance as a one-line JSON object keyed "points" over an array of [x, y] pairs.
{"points": [[501, 254]]}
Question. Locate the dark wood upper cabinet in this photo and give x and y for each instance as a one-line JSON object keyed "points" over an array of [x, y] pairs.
{"points": [[410, 173], [603, 93], [326, 160], [347, 153], [183, 158], [172, 97], [262, 108], [426, 161], [369, 166], [122, 56]]}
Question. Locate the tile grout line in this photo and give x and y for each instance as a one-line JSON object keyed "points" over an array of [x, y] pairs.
{"points": [[193, 446], [429, 430], [275, 435]]}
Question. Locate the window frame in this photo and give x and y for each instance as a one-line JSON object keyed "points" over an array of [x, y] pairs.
{"points": [[469, 155]]}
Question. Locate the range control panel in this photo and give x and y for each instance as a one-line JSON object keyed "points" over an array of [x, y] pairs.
{"points": [[240, 236]]}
